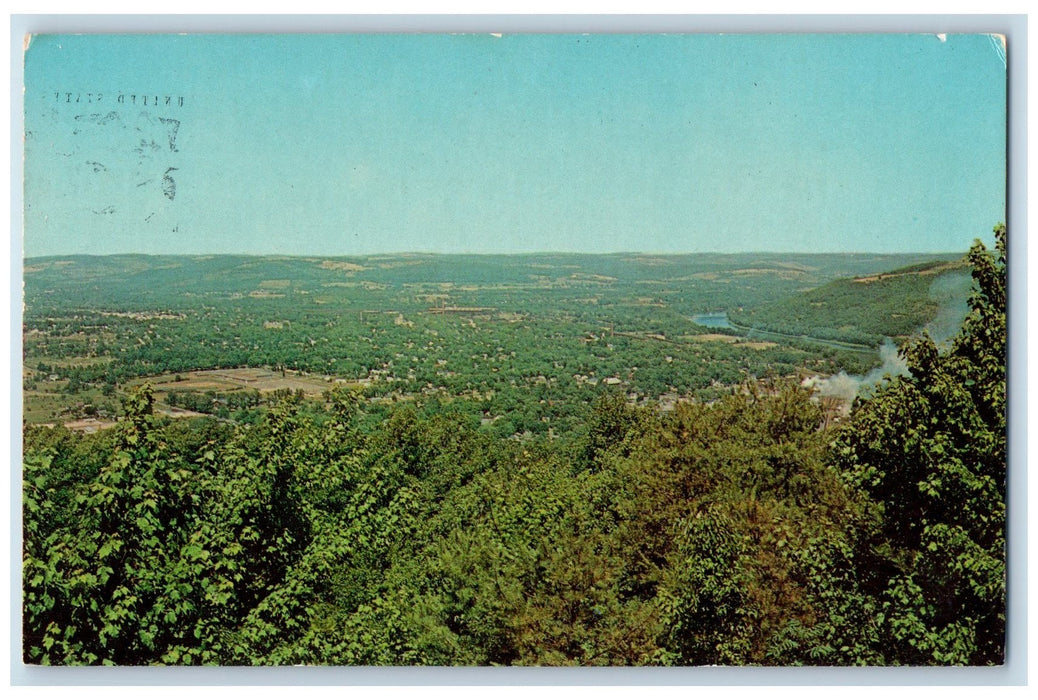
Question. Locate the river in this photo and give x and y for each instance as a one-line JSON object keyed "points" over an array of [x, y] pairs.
{"points": [[716, 319], [719, 319]]}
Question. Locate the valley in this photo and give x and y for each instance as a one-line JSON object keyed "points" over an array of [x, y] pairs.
{"points": [[531, 338]]}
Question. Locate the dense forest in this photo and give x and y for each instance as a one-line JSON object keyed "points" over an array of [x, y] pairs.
{"points": [[387, 522]]}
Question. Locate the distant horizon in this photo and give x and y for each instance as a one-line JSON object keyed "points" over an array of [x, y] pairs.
{"points": [[418, 253]]}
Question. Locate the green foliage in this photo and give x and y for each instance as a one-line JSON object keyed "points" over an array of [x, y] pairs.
{"points": [[611, 425], [734, 528], [100, 589], [931, 450], [704, 600], [501, 512]]}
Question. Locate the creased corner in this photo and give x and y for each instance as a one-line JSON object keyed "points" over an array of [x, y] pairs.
{"points": [[998, 43]]}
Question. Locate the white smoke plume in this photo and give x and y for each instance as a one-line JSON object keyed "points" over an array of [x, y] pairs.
{"points": [[951, 292], [849, 386], [891, 363]]}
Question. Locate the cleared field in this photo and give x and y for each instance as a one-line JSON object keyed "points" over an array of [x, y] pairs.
{"points": [[730, 339], [48, 402], [710, 338], [42, 406], [89, 425], [179, 412], [72, 361], [262, 380]]}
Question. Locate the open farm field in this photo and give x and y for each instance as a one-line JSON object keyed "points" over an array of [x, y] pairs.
{"points": [[262, 380]]}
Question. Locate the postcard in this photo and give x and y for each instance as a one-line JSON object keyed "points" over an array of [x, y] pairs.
{"points": [[514, 349]]}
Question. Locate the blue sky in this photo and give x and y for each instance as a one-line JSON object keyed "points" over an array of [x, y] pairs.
{"points": [[358, 144]]}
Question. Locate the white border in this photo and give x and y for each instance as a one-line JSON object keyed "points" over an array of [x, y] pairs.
{"points": [[1014, 27]]}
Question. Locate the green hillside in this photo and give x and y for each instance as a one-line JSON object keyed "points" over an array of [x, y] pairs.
{"points": [[865, 309]]}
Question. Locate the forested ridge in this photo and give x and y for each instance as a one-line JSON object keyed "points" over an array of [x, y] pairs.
{"points": [[744, 529], [863, 309]]}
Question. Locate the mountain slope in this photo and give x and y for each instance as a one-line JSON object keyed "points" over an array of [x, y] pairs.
{"points": [[868, 308]]}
